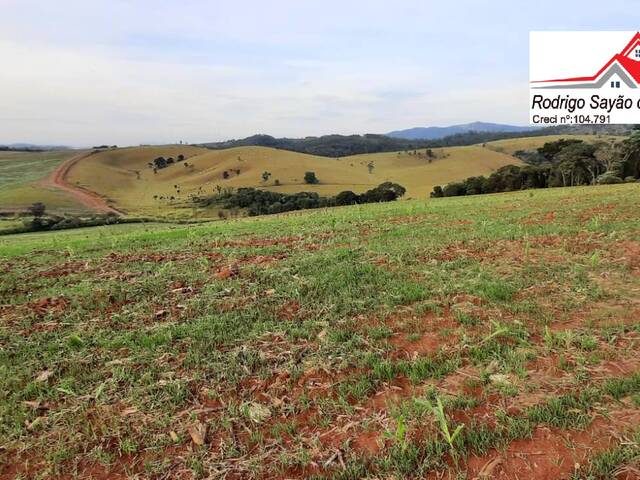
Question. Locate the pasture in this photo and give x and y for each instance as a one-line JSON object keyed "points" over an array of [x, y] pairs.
{"points": [[469, 337], [22, 176]]}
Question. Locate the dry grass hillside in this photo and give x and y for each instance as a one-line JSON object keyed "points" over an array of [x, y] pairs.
{"points": [[124, 176]]}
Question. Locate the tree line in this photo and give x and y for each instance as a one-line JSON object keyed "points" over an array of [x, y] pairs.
{"points": [[263, 202], [562, 163], [336, 146]]}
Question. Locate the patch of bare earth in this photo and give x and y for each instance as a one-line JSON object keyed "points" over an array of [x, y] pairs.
{"points": [[553, 454]]}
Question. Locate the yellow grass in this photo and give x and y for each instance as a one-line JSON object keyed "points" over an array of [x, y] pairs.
{"points": [[124, 176]]}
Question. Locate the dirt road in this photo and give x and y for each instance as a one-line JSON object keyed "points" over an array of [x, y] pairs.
{"points": [[91, 200]]}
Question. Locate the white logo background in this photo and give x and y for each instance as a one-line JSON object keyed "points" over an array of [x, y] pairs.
{"points": [[570, 55]]}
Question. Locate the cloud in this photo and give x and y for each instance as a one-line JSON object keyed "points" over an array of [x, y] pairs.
{"points": [[127, 72]]}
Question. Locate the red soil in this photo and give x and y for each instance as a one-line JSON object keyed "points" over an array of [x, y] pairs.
{"points": [[86, 197], [552, 454]]}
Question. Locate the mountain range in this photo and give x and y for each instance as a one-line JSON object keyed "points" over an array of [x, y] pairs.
{"points": [[434, 133]]}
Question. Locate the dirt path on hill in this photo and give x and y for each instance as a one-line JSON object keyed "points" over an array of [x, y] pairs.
{"points": [[57, 179]]}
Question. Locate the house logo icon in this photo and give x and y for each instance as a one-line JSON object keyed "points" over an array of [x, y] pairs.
{"points": [[621, 71]]}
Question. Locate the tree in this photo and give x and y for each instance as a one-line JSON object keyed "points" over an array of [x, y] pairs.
{"points": [[454, 189], [37, 209], [385, 192], [550, 149], [437, 192], [607, 154], [225, 174], [396, 188], [577, 164], [629, 166], [310, 178], [159, 163], [346, 198]]}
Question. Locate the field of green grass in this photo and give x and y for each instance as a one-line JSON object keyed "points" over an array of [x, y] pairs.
{"points": [[21, 174], [468, 337]]}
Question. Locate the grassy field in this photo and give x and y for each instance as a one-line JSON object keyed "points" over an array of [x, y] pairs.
{"points": [[20, 177], [343, 343], [124, 175]]}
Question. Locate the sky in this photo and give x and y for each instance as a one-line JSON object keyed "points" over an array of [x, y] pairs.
{"points": [[92, 72]]}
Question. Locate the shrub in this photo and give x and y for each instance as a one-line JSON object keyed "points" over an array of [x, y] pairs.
{"points": [[37, 209], [608, 178], [437, 192]]}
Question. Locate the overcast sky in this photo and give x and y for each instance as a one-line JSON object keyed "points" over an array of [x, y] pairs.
{"points": [[85, 72]]}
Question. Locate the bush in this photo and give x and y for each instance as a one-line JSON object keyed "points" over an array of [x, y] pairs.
{"points": [[346, 198], [37, 209], [437, 192], [310, 178], [608, 178], [70, 222], [55, 222], [629, 179]]}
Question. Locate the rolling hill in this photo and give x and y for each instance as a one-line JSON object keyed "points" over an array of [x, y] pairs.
{"points": [[124, 176]]}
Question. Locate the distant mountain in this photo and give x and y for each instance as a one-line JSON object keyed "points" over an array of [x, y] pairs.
{"points": [[31, 147], [434, 133], [415, 138], [327, 145]]}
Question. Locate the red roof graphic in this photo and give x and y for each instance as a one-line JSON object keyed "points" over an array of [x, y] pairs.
{"points": [[632, 67]]}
